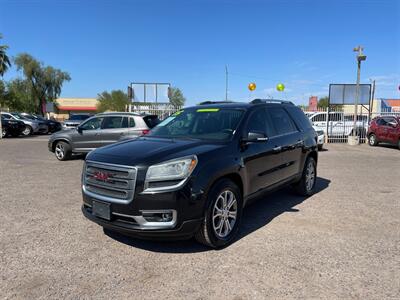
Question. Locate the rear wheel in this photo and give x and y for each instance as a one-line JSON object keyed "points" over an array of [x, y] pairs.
{"points": [[27, 131], [372, 141], [223, 215], [3, 132], [62, 151], [306, 185], [398, 144]]}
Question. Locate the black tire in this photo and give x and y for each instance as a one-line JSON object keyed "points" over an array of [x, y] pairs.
{"points": [[3, 132], [27, 131], [320, 147], [62, 151], [372, 140], [304, 187], [207, 234], [398, 144]]}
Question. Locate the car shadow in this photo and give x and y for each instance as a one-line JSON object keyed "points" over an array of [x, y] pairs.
{"points": [[257, 214]]}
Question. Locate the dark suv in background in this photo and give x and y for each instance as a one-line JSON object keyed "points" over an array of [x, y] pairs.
{"points": [[100, 130], [195, 171]]}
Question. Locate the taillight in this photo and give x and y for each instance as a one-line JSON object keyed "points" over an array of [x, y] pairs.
{"points": [[146, 131]]}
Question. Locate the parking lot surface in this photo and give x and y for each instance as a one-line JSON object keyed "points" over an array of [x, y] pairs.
{"points": [[343, 242]]}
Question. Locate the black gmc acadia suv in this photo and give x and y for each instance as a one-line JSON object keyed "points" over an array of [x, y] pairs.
{"points": [[194, 172]]}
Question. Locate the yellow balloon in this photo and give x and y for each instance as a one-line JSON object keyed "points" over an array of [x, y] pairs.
{"points": [[252, 86], [280, 87]]}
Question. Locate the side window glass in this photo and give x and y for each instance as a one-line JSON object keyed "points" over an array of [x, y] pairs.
{"points": [[257, 122], [132, 122], [92, 124], [124, 122], [282, 121], [112, 123]]}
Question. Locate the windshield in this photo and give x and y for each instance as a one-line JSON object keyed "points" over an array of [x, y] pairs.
{"points": [[78, 117], [202, 123]]}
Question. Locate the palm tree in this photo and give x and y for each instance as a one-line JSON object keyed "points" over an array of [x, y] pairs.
{"points": [[4, 60]]}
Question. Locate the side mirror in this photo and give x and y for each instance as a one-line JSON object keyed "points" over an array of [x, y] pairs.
{"points": [[255, 137], [79, 128], [393, 124]]}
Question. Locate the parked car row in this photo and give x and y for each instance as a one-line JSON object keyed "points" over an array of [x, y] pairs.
{"points": [[28, 124]]}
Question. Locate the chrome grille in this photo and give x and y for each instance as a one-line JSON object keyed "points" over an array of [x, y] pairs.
{"points": [[108, 182]]}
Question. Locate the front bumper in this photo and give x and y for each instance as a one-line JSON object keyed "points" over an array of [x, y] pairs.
{"points": [[184, 230]]}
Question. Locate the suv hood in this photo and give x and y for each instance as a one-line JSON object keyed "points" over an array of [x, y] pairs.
{"points": [[146, 151]]}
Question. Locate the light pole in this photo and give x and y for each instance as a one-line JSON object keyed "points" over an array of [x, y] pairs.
{"points": [[226, 83], [360, 57]]}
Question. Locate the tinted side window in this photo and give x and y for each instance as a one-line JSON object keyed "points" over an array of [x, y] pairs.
{"points": [[91, 124], [124, 122], [151, 121], [260, 121], [282, 121], [381, 122], [112, 122], [300, 118], [132, 122]]}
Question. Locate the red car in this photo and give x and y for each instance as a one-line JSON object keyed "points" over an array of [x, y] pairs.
{"points": [[384, 129]]}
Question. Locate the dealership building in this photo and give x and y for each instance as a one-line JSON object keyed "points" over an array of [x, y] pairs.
{"points": [[63, 107]]}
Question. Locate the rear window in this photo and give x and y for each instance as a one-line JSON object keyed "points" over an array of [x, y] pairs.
{"points": [[151, 121], [300, 118]]}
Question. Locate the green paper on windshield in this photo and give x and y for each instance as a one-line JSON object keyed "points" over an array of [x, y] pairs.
{"points": [[177, 113], [208, 110]]}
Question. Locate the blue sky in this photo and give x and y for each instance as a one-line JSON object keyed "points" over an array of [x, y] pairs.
{"points": [[306, 45]]}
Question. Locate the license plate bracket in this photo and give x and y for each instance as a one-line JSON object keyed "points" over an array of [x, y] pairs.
{"points": [[101, 210]]}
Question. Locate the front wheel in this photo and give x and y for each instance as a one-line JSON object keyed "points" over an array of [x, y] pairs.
{"points": [[27, 131], [3, 132], [62, 151], [372, 141], [306, 185], [223, 215]]}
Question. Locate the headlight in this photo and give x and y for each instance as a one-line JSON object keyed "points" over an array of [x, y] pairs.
{"points": [[169, 175], [172, 170]]}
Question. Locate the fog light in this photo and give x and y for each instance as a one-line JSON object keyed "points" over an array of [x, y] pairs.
{"points": [[157, 216]]}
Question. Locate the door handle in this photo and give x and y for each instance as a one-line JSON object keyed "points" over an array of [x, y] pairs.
{"points": [[277, 149]]}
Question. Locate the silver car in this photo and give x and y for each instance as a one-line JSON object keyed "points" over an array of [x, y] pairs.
{"points": [[100, 130], [31, 126]]}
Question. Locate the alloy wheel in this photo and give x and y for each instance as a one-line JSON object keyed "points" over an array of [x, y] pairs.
{"points": [[60, 151], [224, 214], [3, 132], [372, 140], [310, 176]]}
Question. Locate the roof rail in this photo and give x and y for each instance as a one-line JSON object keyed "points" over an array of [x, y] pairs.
{"points": [[259, 101], [214, 102]]}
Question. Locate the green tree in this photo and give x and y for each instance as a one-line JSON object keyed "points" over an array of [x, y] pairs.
{"points": [[176, 97], [323, 102], [114, 101], [4, 59], [19, 96], [45, 81]]}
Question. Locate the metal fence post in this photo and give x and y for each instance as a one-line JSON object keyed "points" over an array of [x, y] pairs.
{"points": [[327, 125]]}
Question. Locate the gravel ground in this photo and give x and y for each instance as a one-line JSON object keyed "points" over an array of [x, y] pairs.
{"points": [[343, 242]]}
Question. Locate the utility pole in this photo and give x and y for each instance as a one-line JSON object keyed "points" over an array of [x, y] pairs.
{"points": [[226, 83], [360, 57]]}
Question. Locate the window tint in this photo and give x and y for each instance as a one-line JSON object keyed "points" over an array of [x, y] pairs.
{"points": [[91, 124], [151, 121], [124, 122], [281, 120], [132, 122], [260, 121], [112, 122], [300, 118]]}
